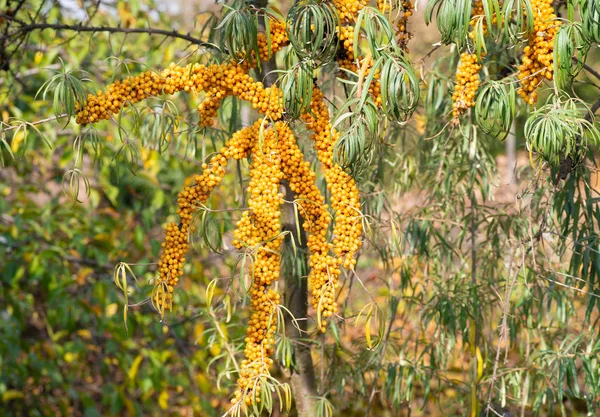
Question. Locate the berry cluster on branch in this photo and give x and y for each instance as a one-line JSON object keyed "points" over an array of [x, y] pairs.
{"points": [[275, 156], [277, 37], [467, 72], [538, 55], [346, 32], [176, 243], [467, 83], [259, 231], [325, 270], [402, 33]]}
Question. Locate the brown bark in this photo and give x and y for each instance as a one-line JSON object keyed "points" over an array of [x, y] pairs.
{"points": [[302, 374], [302, 378]]}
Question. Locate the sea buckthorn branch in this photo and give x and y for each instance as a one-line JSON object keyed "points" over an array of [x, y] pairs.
{"points": [[213, 79], [275, 155], [176, 243], [228, 77], [216, 93], [405, 10], [231, 79], [316, 219], [259, 231], [467, 83], [467, 72], [277, 37], [345, 202], [402, 33], [348, 10], [538, 55]]}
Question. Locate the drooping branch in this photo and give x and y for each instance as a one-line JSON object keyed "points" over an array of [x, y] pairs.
{"points": [[26, 28], [255, 229]]}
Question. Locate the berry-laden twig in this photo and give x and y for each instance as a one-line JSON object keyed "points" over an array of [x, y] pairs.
{"points": [[345, 201], [402, 33], [538, 55], [467, 83], [259, 232], [275, 155], [467, 72], [176, 244]]}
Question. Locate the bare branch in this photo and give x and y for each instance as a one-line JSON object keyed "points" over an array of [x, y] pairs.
{"points": [[587, 68], [27, 28]]}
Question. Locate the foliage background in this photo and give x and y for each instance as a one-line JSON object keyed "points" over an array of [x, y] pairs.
{"points": [[65, 349]]}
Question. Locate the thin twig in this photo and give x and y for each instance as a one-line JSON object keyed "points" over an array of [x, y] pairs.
{"points": [[27, 28], [587, 68], [428, 54], [380, 364], [38, 122], [504, 330]]}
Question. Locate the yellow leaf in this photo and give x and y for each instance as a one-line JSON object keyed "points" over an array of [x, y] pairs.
{"points": [[70, 357], [203, 383], [163, 400], [83, 274], [165, 355], [210, 291], [84, 334], [12, 394], [368, 331], [479, 364], [215, 349], [111, 309], [38, 57], [150, 157], [130, 407], [17, 139], [135, 366], [59, 335], [198, 330], [169, 52]]}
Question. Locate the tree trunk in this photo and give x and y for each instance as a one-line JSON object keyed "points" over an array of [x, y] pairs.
{"points": [[302, 378], [302, 374]]}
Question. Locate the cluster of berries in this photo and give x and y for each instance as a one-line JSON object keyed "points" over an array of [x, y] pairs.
{"points": [[538, 57], [275, 156]]}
